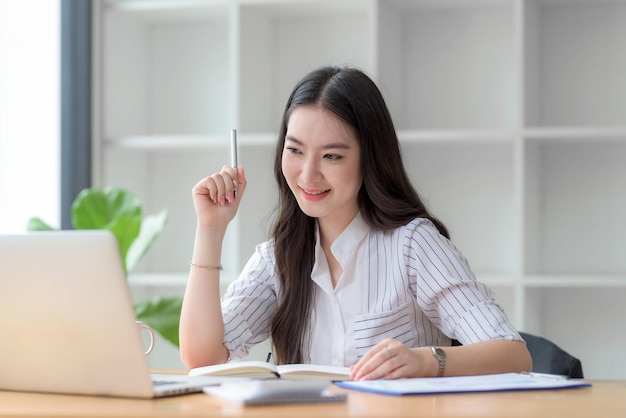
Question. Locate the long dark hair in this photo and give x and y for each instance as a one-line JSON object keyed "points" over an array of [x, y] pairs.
{"points": [[386, 199]]}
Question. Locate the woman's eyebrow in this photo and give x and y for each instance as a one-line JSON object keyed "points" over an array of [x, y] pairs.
{"points": [[292, 139], [334, 145]]}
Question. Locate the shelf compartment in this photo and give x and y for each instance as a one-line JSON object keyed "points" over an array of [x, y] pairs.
{"points": [[454, 67], [575, 201], [166, 76], [575, 63]]}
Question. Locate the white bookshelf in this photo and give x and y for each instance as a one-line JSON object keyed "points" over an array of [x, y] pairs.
{"points": [[511, 116]]}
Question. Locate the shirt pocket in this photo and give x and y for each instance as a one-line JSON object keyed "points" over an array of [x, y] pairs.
{"points": [[371, 328]]}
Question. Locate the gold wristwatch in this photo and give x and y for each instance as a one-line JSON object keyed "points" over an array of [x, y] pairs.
{"points": [[440, 355]]}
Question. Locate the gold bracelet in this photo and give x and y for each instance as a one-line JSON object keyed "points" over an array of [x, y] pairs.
{"points": [[202, 266]]}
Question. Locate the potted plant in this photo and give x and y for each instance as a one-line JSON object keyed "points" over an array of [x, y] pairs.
{"points": [[121, 212]]}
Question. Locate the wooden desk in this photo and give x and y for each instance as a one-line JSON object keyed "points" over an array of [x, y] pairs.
{"points": [[606, 399]]}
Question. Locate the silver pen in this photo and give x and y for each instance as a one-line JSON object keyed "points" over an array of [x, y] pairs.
{"points": [[233, 148], [233, 154]]}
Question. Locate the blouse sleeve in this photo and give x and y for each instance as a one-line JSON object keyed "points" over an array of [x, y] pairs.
{"points": [[447, 291], [249, 304]]}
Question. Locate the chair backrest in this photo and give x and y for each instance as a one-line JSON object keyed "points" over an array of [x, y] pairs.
{"points": [[550, 358]]}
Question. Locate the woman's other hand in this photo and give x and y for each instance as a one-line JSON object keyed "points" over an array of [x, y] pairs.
{"points": [[390, 359]]}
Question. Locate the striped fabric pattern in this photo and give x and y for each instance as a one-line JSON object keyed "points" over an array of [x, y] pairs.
{"points": [[410, 284]]}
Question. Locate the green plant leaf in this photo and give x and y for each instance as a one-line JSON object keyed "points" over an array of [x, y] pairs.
{"points": [[126, 231], [36, 224], [111, 208], [151, 227], [96, 209], [163, 315]]}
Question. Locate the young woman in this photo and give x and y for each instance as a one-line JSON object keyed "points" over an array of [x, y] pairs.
{"points": [[357, 271]]}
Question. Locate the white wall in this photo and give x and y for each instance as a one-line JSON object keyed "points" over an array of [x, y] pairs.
{"points": [[29, 113]]}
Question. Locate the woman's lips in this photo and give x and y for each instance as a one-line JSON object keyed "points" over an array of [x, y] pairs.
{"points": [[314, 195]]}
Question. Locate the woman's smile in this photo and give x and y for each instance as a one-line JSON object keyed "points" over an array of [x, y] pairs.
{"points": [[314, 195]]}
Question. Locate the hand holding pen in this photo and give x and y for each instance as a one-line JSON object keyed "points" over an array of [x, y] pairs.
{"points": [[216, 197]]}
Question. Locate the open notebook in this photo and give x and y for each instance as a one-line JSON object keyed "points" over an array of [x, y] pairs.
{"points": [[67, 323]]}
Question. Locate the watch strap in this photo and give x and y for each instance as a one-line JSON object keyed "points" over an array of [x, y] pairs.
{"points": [[440, 356]]}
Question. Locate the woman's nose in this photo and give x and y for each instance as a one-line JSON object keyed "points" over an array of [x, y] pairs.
{"points": [[311, 170]]}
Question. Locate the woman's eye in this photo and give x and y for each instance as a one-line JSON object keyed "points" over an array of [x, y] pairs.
{"points": [[292, 150], [333, 157]]}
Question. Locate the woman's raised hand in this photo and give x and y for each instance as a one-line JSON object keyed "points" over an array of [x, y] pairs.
{"points": [[216, 197]]}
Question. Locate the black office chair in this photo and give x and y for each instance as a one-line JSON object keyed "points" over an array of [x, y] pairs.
{"points": [[550, 358]]}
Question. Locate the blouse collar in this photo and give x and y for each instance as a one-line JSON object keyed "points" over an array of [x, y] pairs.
{"points": [[344, 246]]}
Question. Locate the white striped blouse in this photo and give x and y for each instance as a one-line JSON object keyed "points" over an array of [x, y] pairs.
{"points": [[410, 284]]}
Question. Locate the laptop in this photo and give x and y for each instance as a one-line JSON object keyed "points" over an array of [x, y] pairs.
{"points": [[66, 320]]}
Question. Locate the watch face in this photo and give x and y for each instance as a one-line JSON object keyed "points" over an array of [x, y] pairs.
{"points": [[440, 353]]}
